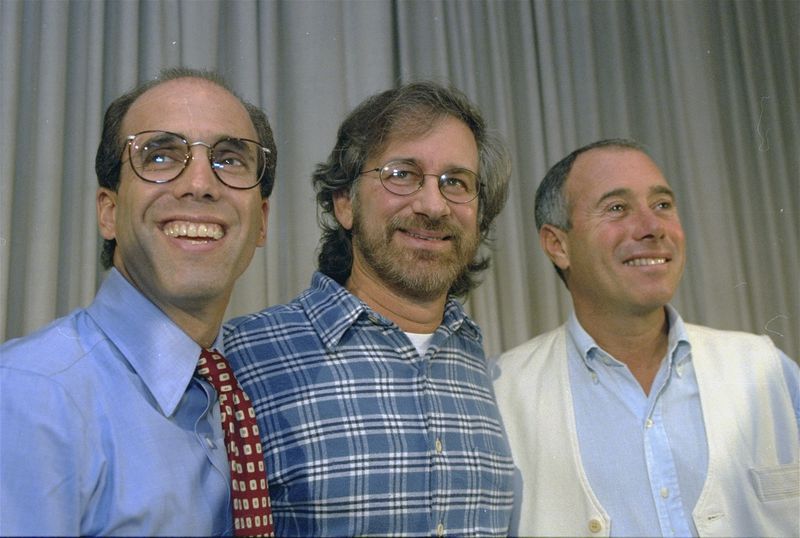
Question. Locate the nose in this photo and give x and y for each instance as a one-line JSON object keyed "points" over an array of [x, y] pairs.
{"points": [[649, 225], [198, 179], [429, 200]]}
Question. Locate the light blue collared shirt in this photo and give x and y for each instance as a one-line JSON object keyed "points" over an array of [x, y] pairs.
{"points": [[104, 430], [645, 455]]}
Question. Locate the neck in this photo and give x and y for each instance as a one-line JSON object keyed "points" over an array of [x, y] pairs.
{"points": [[202, 327], [200, 318], [639, 340], [410, 314]]}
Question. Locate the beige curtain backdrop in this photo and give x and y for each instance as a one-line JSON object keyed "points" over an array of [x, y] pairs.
{"points": [[712, 87]]}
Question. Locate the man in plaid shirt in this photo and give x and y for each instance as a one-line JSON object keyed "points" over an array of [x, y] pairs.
{"points": [[371, 389]]}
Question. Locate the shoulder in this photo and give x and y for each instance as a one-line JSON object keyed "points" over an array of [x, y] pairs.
{"points": [[277, 331], [528, 357], [265, 320], [702, 331], [732, 353], [56, 364], [534, 346], [730, 343], [52, 348]]}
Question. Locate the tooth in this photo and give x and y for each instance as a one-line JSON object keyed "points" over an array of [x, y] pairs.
{"points": [[194, 230], [638, 262]]}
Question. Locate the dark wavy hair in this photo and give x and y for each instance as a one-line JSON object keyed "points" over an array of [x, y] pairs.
{"points": [[551, 206], [108, 161], [412, 109]]}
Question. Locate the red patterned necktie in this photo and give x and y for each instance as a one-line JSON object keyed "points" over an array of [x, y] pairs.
{"points": [[251, 509]]}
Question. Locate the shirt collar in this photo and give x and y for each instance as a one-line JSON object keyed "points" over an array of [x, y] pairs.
{"points": [[163, 356], [332, 310], [678, 346], [678, 341]]}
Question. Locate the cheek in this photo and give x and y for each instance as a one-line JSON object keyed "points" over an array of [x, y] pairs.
{"points": [[677, 233], [467, 216], [252, 215], [135, 198]]}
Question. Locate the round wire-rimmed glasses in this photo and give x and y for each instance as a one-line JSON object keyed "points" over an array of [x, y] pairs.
{"points": [[404, 178], [162, 156]]}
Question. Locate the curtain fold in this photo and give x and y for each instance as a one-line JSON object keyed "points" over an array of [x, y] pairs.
{"points": [[710, 86]]}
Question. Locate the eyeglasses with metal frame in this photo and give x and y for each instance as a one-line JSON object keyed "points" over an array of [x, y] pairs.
{"points": [[162, 156], [404, 178]]}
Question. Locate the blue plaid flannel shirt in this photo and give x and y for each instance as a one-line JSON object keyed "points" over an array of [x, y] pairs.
{"points": [[361, 435]]}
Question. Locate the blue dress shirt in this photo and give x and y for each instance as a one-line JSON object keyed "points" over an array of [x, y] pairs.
{"points": [[105, 431], [361, 434], [645, 455]]}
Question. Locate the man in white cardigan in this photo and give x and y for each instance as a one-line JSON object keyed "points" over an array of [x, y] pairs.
{"points": [[626, 421]]}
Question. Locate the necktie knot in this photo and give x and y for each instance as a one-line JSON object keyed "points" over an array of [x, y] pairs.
{"points": [[252, 514], [216, 370]]}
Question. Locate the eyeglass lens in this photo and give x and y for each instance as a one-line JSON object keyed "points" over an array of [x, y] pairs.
{"points": [[458, 185], [160, 156]]}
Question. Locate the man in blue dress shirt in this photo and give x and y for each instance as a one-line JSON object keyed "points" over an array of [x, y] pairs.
{"points": [[627, 421], [372, 384], [105, 429]]}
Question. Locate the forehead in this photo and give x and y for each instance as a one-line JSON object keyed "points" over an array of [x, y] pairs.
{"points": [[602, 170], [446, 138], [193, 107]]}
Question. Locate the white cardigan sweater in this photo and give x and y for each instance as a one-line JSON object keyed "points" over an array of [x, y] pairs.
{"points": [[749, 421]]}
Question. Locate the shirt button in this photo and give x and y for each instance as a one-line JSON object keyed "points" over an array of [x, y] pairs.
{"points": [[210, 443], [440, 529], [595, 525], [438, 446], [648, 423], [664, 492]]}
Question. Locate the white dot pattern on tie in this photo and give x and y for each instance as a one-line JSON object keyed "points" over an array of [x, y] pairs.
{"points": [[252, 515]]}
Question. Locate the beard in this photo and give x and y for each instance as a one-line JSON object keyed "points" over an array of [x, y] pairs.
{"points": [[415, 273]]}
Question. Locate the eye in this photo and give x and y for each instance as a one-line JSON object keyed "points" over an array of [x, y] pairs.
{"points": [[401, 173], [160, 156], [665, 204], [459, 181], [234, 155], [229, 160], [617, 207], [453, 183]]}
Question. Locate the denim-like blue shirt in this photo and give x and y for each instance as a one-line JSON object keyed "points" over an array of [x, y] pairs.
{"points": [[645, 455], [361, 434], [105, 431]]}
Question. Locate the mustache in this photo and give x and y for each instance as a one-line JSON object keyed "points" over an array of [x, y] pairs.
{"points": [[424, 222]]}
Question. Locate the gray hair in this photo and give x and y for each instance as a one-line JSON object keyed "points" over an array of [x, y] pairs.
{"points": [[413, 109]]}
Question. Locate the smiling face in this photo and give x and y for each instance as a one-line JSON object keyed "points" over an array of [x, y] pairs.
{"points": [[625, 252], [415, 245], [184, 243]]}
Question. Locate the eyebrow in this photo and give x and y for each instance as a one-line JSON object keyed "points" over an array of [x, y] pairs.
{"points": [[623, 192], [415, 162]]}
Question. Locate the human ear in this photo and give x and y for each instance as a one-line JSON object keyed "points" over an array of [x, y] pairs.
{"points": [[554, 243], [262, 236], [343, 208], [106, 201]]}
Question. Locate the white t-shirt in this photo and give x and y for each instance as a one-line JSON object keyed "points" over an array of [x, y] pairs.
{"points": [[421, 341]]}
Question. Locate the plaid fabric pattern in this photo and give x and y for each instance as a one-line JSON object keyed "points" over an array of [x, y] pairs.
{"points": [[363, 436]]}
